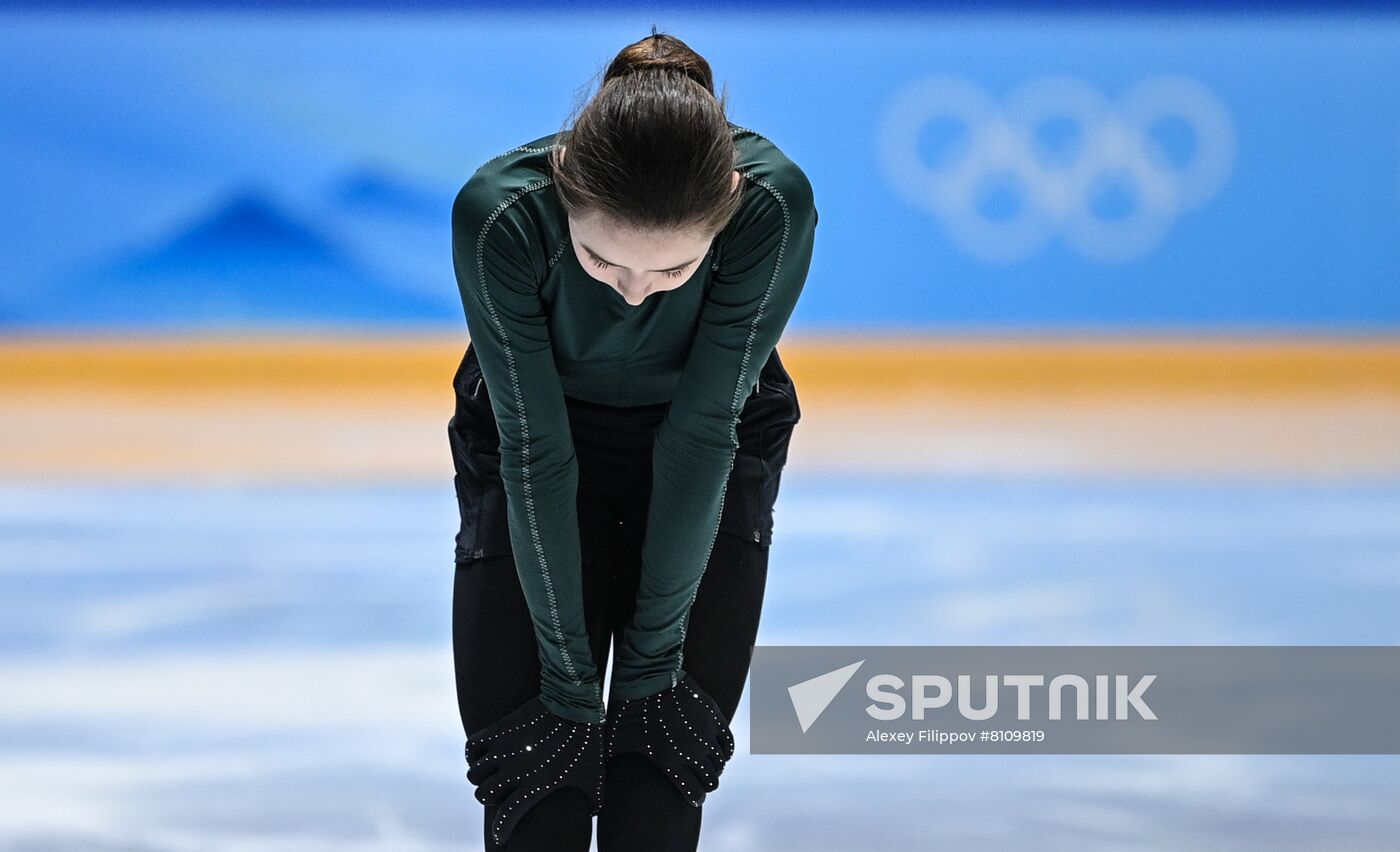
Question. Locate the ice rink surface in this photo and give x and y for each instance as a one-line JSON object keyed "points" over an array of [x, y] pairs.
{"points": [[245, 666]]}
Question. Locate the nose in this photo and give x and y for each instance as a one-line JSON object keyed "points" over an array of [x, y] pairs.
{"points": [[633, 293]]}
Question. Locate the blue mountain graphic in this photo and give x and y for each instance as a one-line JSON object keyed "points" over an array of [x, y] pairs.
{"points": [[248, 261], [246, 221]]}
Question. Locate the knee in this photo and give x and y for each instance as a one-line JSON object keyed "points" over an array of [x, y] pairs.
{"points": [[633, 782], [561, 820], [642, 810]]}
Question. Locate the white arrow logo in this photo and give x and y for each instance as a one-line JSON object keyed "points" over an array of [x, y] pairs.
{"points": [[810, 698]]}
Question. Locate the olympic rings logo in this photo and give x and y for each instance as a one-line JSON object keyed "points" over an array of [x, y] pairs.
{"points": [[1002, 152]]}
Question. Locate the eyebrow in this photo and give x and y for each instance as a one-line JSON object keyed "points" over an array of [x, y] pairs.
{"points": [[610, 263]]}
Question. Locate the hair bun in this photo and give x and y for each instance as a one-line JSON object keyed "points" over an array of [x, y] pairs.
{"points": [[660, 51]]}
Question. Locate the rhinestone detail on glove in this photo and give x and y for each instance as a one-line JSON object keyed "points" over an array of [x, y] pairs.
{"points": [[681, 730], [530, 753]]}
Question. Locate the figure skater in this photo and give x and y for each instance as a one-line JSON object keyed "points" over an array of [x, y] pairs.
{"points": [[621, 426]]}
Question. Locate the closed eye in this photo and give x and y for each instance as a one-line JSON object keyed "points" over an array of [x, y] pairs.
{"points": [[603, 264]]}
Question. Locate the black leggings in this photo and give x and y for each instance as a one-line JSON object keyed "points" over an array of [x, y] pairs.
{"points": [[495, 651]]}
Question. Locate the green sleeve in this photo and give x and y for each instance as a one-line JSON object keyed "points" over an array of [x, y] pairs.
{"points": [[508, 325], [763, 261]]}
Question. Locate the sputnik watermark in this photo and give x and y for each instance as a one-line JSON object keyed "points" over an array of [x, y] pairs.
{"points": [[1143, 699], [890, 703]]}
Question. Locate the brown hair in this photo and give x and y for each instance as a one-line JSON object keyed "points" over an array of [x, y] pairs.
{"points": [[652, 150]]}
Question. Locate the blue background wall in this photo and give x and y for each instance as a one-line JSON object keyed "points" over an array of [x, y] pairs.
{"points": [[1179, 168]]}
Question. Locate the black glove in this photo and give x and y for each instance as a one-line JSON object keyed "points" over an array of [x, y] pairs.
{"points": [[682, 730], [523, 757]]}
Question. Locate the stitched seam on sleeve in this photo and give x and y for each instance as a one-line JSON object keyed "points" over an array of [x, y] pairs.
{"points": [[558, 253], [530, 515], [526, 148]]}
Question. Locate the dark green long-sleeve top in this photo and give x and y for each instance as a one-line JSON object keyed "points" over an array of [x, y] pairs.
{"points": [[543, 327]]}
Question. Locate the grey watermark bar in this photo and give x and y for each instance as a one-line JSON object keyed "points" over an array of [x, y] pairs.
{"points": [[1075, 699]]}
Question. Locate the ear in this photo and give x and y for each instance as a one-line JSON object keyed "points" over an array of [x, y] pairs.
{"points": [[734, 180]]}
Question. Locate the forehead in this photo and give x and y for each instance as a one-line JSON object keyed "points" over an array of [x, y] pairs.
{"points": [[622, 245], [597, 224]]}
